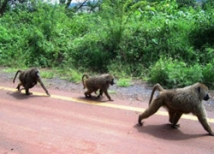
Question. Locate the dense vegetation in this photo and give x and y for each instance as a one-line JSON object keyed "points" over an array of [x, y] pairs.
{"points": [[165, 41]]}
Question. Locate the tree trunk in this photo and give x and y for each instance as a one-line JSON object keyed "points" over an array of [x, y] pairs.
{"points": [[68, 3], [3, 7]]}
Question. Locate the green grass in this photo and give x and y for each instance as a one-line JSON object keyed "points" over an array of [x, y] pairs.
{"points": [[10, 70], [75, 76], [111, 91], [70, 75], [48, 74], [124, 82]]}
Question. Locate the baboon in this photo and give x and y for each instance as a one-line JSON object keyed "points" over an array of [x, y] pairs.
{"points": [[29, 79], [100, 83], [180, 101]]}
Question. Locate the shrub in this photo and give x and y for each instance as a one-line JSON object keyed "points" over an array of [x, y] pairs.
{"points": [[124, 82], [124, 37], [208, 74], [171, 73]]}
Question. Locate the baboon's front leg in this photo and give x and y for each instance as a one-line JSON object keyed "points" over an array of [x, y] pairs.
{"points": [[106, 93], [43, 86], [205, 124]]}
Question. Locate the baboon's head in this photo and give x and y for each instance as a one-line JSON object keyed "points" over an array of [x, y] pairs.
{"points": [[35, 73], [109, 79], [203, 92]]}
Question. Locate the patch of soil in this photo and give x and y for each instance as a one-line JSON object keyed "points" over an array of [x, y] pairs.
{"points": [[138, 91]]}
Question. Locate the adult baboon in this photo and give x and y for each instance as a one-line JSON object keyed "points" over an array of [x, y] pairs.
{"points": [[180, 101], [29, 79], [101, 82]]}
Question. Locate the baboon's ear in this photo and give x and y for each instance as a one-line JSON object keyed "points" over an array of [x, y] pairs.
{"points": [[199, 89]]}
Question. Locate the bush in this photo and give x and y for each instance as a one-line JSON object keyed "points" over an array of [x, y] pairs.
{"points": [[208, 74], [89, 54], [124, 82], [174, 73], [36, 38], [124, 37]]}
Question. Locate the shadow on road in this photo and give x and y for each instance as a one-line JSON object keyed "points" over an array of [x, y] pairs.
{"points": [[21, 96], [95, 99], [166, 132]]}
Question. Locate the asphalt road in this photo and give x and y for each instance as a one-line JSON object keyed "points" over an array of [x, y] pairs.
{"points": [[67, 123]]}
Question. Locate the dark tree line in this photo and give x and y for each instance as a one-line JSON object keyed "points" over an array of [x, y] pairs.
{"points": [[92, 4]]}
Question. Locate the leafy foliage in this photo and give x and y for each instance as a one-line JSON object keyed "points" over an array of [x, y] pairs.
{"points": [[171, 72], [208, 74], [124, 82], [166, 41]]}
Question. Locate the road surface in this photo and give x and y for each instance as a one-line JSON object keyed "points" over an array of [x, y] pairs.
{"points": [[67, 123]]}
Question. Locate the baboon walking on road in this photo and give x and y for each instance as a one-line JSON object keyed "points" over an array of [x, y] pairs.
{"points": [[100, 83], [29, 79], [180, 101]]}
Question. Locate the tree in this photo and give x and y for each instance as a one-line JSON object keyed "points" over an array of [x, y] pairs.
{"points": [[3, 6]]}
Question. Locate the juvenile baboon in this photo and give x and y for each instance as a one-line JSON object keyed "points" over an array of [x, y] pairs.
{"points": [[180, 101], [101, 82], [29, 79]]}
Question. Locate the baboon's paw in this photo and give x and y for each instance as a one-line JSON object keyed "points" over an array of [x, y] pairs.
{"points": [[175, 126]]}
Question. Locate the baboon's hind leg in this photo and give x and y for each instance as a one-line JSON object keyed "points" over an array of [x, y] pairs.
{"points": [[88, 94], [153, 108], [174, 118], [27, 89], [18, 86], [100, 93]]}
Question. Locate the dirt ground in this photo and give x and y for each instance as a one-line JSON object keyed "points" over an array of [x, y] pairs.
{"points": [[139, 90]]}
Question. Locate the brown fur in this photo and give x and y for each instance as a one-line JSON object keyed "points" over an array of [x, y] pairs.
{"points": [[83, 82], [157, 86], [100, 83], [180, 101], [29, 79]]}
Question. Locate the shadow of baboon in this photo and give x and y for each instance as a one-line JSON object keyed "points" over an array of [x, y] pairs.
{"points": [[22, 96], [166, 132], [93, 99]]}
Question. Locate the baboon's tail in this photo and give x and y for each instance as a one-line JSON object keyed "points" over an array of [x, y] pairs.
{"points": [[85, 75], [19, 71], [157, 86]]}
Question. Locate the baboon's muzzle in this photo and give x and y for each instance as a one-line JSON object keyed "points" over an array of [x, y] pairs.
{"points": [[207, 97], [112, 82]]}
